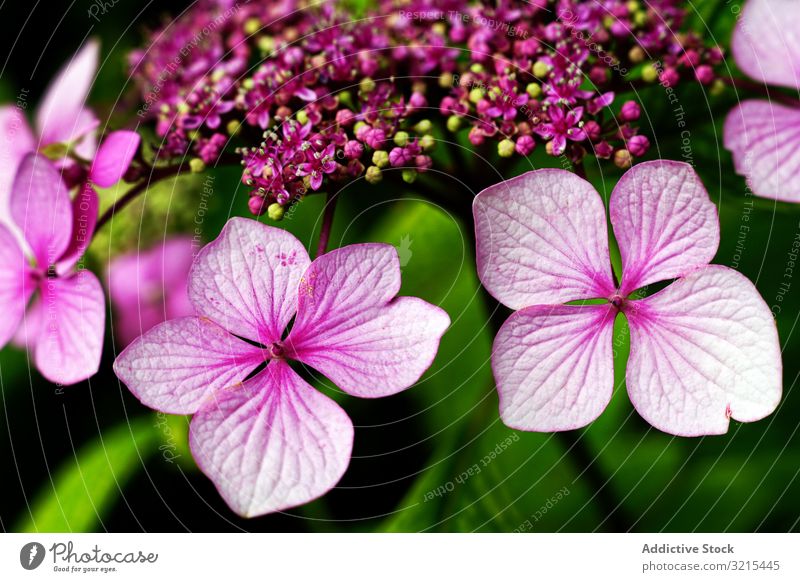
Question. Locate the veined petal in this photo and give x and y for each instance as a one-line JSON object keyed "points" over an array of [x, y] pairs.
{"points": [[352, 328], [664, 222], [542, 239], [246, 280], [765, 43], [41, 207], [272, 443], [180, 363], [61, 116], [554, 366], [114, 157], [70, 341], [84, 218], [764, 139], [703, 350], [16, 285], [16, 140]]}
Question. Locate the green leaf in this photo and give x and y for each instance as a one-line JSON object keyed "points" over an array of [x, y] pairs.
{"points": [[86, 487]]}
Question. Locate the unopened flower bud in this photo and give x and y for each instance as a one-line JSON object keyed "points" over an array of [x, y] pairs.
{"points": [[540, 69], [453, 123], [525, 145], [380, 158], [257, 205], [302, 116], [275, 211], [638, 145], [197, 166], [704, 74], [427, 142], [373, 175], [622, 159], [636, 54], [506, 148], [423, 126], [630, 111], [650, 73], [233, 127], [409, 176], [534, 90], [367, 85], [401, 138]]}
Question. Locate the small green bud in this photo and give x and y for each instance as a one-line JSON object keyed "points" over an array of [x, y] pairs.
{"points": [[302, 116], [717, 87], [423, 126], [252, 26], [506, 148], [357, 127], [409, 176], [401, 139], [453, 122], [373, 175], [197, 166], [367, 85], [540, 69], [380, 158], [476, 68], [266, 44], [475, 95], [233, 127], [427, 142], [275, 211], [345, 98], [534, 90], [446, 80], [650, 73]]}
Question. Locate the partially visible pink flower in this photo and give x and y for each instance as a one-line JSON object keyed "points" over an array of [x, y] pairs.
{"points": [[266, 438], [150, 286], [703, 350], [764, 136], [61, 118], [56, 310]]}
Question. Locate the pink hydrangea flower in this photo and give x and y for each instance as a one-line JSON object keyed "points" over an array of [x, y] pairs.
{"points": [[764, 136], [64, 323], [265, 437], [703, 350], [64, 118], [150, 286]]}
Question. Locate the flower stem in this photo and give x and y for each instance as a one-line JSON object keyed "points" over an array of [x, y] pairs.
{"points": [[156, 174], [771, 94], [327, 223]]}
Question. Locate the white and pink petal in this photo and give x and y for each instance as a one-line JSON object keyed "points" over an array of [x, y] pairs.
{"points": [[70, 339], [352, 328], [179, 364], [246, 280], [764, 140], [542, 238], [664, 222], [766, 44], [703, 350], [16, 285], [554, 366], [272, 443]]}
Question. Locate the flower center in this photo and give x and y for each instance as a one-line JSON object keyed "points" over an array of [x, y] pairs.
{"points": [[276, 351], [617, 301]]}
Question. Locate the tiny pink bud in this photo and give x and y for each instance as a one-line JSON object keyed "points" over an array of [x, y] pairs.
{"points": [[592, 130], [704, 74], [257, 205], [638, 145], [525, 145], [630, 111]]}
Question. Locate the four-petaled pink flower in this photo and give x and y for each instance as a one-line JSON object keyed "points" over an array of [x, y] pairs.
{"points": [[64, 118], [64, 324], [150, 286], [764, 136], [703, 349], [265, 437]]}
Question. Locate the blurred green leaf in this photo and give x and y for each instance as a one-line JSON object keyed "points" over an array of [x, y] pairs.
{"points": [[84, 489]]}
